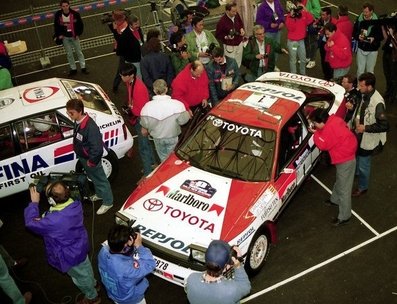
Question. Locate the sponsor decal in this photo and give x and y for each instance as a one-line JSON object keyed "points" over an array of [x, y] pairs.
{"points": [[22, 167], [199, 187], [189, 199], [33, 95], [273, 92], [289, 190], [64, 154], [266, 203], [307, 79], [162, 238], [302, 158], [154, 205], [110, 124], [245, 235], [219, 123], [111, 137]]}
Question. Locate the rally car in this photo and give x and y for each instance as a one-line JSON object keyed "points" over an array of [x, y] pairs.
{"points": [[231, 177], [36, 134]]}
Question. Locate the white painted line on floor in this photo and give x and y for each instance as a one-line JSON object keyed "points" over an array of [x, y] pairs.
{"points": [[353, 212], [315, 267]]}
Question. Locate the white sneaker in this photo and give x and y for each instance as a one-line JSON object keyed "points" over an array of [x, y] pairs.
{"points": [[276, 69], [307, 60], [103, 209], [95, 198], [311, 64]]}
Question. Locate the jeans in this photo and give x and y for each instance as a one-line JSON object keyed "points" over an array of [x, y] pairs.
{"points": [[276, 37], [164, 146], [70, 43], [83, 277], [365, 61], [145, 150], [364, 170], [341, 72], [297, 48], [234, 51], [100, 181], [311, 44], [342, 190], [7, 284]]}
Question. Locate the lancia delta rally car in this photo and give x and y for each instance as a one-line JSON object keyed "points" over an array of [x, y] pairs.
{"points": [[36, 134], [231, 177]]}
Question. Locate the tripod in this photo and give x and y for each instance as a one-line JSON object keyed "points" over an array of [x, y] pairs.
{"points": [[157, 21]]}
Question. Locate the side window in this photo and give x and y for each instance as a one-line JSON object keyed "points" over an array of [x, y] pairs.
{"points": [[6, 143], [292, 136], [38, 131]]}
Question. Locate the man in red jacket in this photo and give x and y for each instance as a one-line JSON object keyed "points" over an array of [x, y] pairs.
{"points": [[190, 86], [338, 52], [344, 23], [332, 134]]}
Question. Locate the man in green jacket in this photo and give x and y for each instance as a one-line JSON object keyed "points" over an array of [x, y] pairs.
{"points": [[259, 54]]}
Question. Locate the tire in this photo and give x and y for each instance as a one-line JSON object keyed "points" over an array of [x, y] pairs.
{"points": [[257, 252], [110, 165]]}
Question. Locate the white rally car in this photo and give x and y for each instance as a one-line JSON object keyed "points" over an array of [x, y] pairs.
{"points": [[232, 175], [36, 134]]}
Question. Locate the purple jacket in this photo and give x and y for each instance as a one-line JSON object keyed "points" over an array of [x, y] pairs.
{"points": [[64, 234], [265, 15]]}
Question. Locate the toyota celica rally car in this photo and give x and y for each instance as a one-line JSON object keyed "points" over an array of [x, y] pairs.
{"points": [[232, 175], [36, 134]]}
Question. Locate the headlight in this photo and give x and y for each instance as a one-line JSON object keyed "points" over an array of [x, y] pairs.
{"points": [[197, 253], [122, 219]]}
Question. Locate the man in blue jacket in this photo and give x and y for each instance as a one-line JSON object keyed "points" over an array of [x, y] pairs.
{"points": [[65, 237], [122, 273]]}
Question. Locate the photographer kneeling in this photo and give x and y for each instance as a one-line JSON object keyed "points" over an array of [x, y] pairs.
{"points": [[122, 272], [213, 286]]}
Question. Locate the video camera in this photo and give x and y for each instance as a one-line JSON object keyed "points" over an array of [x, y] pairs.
{"points": [[208, 50], [175, 49], [108, 17], [232, 33], [134, 232], [294, 8]]}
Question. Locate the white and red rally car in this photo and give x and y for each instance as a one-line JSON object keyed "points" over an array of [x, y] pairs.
{"points": [[36, 134], [231, 177]]}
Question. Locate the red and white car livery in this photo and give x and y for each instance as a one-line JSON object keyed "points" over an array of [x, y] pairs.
{"points": [[36, 134], [232, 175]]}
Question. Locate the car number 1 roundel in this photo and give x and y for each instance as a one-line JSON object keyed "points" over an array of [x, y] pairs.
{"points": [[37, 94]]}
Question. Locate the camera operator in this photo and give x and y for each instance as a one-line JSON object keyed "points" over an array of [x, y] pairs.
{"points": [[230, 31], [65, 237], [259, 54], [124, 264], [296, 23], [199, 41], [180, 57], [390, 61], [212, 286], [369, 38], [351, 101]]}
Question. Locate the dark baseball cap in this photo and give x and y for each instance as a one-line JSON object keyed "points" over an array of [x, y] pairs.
{"points": [[218, 253]]}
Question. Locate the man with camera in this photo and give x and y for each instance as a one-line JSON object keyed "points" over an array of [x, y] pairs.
{"points": [[224, 280], [65, 237], [230, 31], [124, 264], [351, 101], [259, 54], [296, 23], [180, 57]]}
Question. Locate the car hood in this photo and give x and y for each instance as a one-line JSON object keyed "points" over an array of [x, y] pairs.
{"points": [[182, 205]]}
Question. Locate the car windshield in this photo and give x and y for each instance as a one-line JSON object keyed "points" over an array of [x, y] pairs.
{"points": [[230, 149], [88, 93]]}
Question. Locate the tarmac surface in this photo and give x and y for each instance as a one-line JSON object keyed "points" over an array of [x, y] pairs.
{"points": [[312, 262]]}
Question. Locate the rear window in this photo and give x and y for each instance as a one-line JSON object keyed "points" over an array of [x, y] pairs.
{"points": [[88, 93]]}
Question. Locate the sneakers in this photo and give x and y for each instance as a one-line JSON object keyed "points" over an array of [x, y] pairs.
{"points": [[95, 198], [103, 209], [276, 69], [28, 297], [311, 64], [96, 300]]}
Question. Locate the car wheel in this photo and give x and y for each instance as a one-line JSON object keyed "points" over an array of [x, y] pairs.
{"points": [[109, 163], [257, 252]]}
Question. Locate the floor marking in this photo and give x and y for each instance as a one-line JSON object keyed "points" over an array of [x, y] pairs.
{"points": [[315, 267], [333, 5], [353, 212]]}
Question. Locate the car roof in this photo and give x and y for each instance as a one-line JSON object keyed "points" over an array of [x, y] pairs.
{"points": [[32, 98]]}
